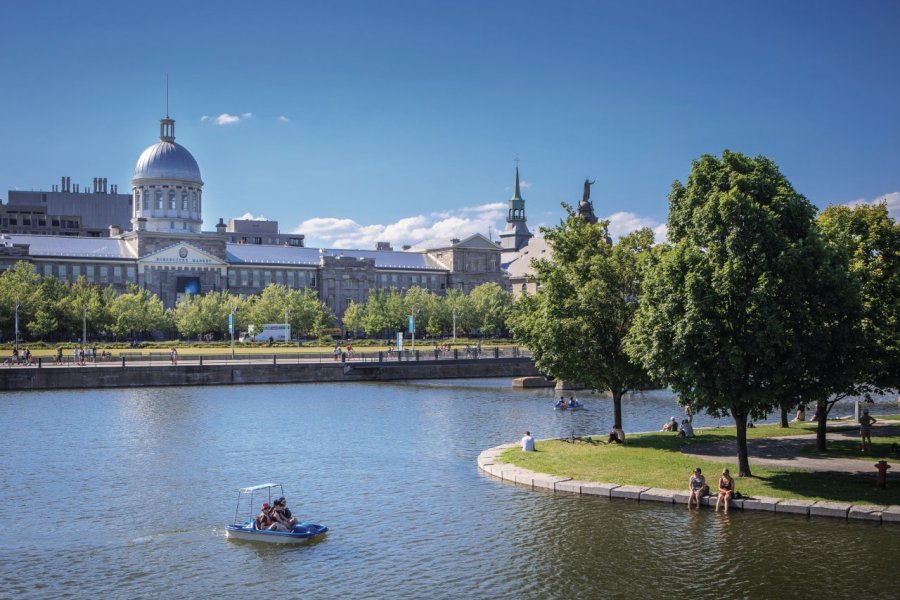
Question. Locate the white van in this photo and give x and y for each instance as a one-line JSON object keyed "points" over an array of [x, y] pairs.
{"points": [[278, 332]]}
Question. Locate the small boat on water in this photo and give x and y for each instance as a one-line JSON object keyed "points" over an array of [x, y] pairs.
{"points": [[245, 525], [572, 405]]}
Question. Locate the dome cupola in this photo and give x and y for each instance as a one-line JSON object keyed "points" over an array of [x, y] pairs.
{"points": [[166, 186]]}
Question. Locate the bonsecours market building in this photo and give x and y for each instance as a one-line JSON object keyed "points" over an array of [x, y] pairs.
{"points": [[165, 250]]}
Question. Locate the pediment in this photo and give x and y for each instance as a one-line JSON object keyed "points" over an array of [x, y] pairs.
{"points": [[182, 254], [476, 241]]}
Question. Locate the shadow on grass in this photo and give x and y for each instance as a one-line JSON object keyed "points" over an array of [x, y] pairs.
{"points": [[835, 487]]}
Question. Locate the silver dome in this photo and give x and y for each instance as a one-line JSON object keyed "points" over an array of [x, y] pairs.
{"points": [[167, 160]]}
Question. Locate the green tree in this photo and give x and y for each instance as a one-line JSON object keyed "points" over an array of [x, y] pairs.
{"points": [[870, 239], [354, 318], [20, 286], [576, 324], [137, 311], [719, 310], [491, 305]]}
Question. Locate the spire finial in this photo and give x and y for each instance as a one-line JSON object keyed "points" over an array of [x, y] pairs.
{"points": [[167, 95], [517, 195]]}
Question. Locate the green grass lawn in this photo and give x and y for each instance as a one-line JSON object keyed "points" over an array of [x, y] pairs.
{"points": [[656, 460]]}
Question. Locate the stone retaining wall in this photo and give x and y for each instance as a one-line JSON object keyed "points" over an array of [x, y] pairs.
{"points": [[32, 378], [810, 508]]}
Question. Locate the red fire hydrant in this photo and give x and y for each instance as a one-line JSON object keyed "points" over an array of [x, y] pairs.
{"points": [[881, 479]]}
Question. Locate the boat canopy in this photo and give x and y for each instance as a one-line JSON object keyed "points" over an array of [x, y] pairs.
{"points": [[262, 486]]}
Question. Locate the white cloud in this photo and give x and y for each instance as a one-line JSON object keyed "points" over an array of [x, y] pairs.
{"points": [[226, 119], [423, 231], [623, 223], [892, 200], [247, 115], [524, 185], [283, 119], [247, 216], [204, 118]]}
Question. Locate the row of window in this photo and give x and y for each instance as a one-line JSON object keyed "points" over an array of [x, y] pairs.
{"points": [[103, 274], [156, 196], [260, 278], [41, 221]]}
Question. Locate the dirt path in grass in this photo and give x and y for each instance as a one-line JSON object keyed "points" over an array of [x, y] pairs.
{"points": [[785, 451]]}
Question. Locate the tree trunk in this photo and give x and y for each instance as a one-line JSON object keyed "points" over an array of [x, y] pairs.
{"points": [[617, 407], [740, 422], [821, 418], [784, 416]]}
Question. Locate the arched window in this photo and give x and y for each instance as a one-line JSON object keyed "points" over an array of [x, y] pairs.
{"points": [[184, 201], [137, 200], [171, 199], [193, 201], [158, 199]]}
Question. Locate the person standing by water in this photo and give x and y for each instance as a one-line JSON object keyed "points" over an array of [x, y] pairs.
{"points": [[865, 429]]}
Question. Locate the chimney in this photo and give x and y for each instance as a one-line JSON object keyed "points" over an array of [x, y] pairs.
{"points": [[386, 246], [142, 224], [95, 185], [220, 226], [62, 183], [454, 241], [406, 247], [114, 231]]}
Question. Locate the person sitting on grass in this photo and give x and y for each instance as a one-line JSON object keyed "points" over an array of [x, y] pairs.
{"points": [[527, 442], [697, 486], [726, 490], [671, 425], [616, 436], [687, 429]]}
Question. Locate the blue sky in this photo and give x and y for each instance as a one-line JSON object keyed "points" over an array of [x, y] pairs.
{"points": [[356, 121]]}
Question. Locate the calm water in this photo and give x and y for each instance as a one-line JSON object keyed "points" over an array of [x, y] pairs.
{"points": [[124, 493]]}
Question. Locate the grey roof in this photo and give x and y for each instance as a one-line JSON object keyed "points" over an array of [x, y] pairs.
{"points": [[167, 160], [289, 255], [73, 247], [518, 264]]}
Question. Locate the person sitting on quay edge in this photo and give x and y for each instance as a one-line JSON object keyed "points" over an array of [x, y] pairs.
{"points": [[671, 425], [527, 442], [687, 429], [697, 486], [726, 490]]}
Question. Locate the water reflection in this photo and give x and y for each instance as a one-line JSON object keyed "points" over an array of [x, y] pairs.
{"points": [[390, 469]]}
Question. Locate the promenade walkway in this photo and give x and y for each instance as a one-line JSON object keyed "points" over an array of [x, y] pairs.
{"points": [[785, 452]]}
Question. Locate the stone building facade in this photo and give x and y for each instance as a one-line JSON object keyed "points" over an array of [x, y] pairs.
{"points": [[166, 251]]}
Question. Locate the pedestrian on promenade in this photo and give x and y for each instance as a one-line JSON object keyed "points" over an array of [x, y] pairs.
{"points": [[174, 355], [527, 442], [59, 356], [865, 429]]}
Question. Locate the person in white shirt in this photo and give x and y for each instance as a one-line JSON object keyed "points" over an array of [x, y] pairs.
{"points": [[527, 442], [687, 429]]}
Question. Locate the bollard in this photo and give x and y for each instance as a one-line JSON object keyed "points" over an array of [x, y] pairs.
{"points": [[456, 354], [39, 362], [274, 359], [201, 360], [417, 355], [496, 352], [123, 362], [380, 357]]}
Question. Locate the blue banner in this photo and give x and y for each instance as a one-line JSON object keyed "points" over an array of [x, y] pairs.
{"points": [[412, 324]]}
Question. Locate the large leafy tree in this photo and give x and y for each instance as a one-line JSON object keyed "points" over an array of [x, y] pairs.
{"points": [[305, 313], [722, 308], [20, 286], [576, 324], [137, 311], [870, 363], [491, 305]]}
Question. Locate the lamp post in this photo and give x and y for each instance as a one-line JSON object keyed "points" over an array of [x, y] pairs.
{"points": [[84, 326], [454, 324], [17, 327], [231, 329]]}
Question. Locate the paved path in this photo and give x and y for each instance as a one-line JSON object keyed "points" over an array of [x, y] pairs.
{"points": [[785, 451]]}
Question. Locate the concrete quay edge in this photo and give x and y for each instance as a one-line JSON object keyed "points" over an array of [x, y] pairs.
{"points": [[566, 485]]}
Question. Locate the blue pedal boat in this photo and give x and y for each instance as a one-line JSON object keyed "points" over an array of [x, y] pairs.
{"points": [[244, 525]]}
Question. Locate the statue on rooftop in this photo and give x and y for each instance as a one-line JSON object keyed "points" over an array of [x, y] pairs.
{"points": [[587, 190]]}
